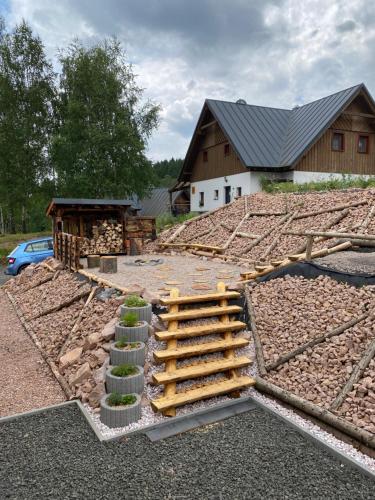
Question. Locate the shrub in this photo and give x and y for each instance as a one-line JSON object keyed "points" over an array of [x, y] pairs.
{"points": [[343, 182], [123, 343], [165, 221], [129, 319], [124, 370], [134, 301], [116, 399]]}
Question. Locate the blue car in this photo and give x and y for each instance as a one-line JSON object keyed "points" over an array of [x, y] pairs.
{"points": [[30, 252]]}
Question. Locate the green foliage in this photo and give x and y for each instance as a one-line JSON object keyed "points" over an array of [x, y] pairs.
{"points": [[134, 301], [98, 149], [27, 93], [129, 319], [116, 399], [343, 182], [120, 344], [166, 172], [166, 221], [124, 370]]}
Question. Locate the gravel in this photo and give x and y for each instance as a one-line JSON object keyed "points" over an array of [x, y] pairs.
{"points": [[350, 261], [26, 380], [55, 454]]}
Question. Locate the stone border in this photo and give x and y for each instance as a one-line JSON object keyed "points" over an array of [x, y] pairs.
{"points": [[182, 423]]}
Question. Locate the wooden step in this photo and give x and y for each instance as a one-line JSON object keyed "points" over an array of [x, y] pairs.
{"points": [[209, 391], [198, 349], [204, 312], [200, 298], [198, 331], [201, 370]]}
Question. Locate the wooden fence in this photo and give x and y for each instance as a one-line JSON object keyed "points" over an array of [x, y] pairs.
{"points": [[67, 249]]}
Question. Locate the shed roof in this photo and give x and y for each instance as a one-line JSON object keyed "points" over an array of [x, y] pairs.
{"points": [[90, 202], [158, 202], [273, 138]]}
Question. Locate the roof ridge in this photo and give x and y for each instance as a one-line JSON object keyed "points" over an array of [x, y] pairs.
{"points": [[329, 95], [251, 105]]}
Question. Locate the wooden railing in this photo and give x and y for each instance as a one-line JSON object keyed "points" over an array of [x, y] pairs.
{"points": [[67, 249]]}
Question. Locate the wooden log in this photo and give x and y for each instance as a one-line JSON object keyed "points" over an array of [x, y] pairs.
{"points": [[233, 235], [108, 264], [200, 331], [267, 233], [30, 332], [251, 236], [367, 220], [355, 376], [46, 279], [208, 297], [93, 261], [170, 364], [334, 234], [103, 281], [202, 312], [77, 323], [309, 245], [317, 340], [178, 231], [198, 246], [316, 411], [257, 342], [278, 236], [332, 209], [63, 304]]}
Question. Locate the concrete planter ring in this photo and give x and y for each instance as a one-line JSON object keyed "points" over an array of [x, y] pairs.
{"points": [[120, 416], [138, 333], [132, 356], [143, 313], [125, 385]]}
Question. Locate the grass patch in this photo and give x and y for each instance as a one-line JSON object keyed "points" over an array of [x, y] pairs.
{"points": [[344, 182], [11, 240], [134, 301], [124, 370], [116, 399], [129, 319], [120, 344], [165, 221]]}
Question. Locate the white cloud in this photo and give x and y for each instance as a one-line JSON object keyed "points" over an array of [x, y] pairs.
{"points": [[276, 53]]}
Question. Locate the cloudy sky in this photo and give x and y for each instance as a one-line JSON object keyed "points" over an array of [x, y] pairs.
{"points": [[269, 52]]}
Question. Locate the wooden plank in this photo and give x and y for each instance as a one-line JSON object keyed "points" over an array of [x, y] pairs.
{"points": [[192, 245], [198, 349], [332, 234], [170, 365], [198, 331], [205, 392], [201, 370], [186, 299], [254, 331], [205, 312]]}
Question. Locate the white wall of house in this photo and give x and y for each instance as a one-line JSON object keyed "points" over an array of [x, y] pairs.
{"points": [[300, 177], [214, 189]]}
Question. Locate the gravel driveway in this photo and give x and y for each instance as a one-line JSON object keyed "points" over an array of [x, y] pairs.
{"points": [[26, 381], [3, 277], [255, 455]]}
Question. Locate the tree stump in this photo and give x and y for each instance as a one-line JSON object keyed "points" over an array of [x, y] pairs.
{"points": [[93, 261], [108, 264]]}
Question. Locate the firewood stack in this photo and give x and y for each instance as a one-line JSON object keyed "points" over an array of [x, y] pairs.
{"points": [[107, 238]]}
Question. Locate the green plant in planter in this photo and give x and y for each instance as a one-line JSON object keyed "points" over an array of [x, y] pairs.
{"points": [[124, 343], [134, 301], [124, 370], [116, 399], [129, 319]]}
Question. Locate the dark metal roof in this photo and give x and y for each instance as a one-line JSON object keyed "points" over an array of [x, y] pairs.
{"points": [[257, 133], [272, 138], [158, 202], [91, 202]]}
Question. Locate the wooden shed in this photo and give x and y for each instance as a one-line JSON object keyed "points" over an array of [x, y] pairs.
{"points": [[100, 226]]}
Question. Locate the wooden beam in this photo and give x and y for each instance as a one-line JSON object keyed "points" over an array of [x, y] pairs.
{"points": [[207, 125], [200, 330], [333, 234], [199, 298], [204, 312], [254, 330]]}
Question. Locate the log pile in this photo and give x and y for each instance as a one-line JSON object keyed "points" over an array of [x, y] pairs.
{"points": [[107, 238], [314, 335], [254, 228], [78, 350]]}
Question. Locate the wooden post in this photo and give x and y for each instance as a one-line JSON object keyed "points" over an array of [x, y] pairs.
{"points": [[108, 264], [309, 245], [170, 365], [229, 353]]}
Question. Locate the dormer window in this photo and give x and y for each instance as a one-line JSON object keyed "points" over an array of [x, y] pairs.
{"points": [[226, 149], [363, 143], [205, 156], [338, 143]]}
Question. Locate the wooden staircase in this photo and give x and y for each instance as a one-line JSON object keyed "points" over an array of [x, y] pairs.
{"points": [[228, 365]]}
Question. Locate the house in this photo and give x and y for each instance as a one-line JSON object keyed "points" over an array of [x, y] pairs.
{"points": [[162, 201], [235, 145]]}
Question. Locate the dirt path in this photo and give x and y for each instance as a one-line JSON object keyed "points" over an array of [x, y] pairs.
{"points": [[26, 382]]}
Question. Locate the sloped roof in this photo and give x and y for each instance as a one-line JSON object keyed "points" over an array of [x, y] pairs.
{"points": [[272, 138], [158, 202], [90, 202]]}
